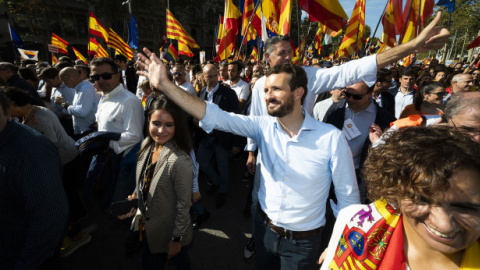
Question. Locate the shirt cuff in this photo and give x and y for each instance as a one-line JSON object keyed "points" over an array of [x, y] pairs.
{"points": [[211, 113]]}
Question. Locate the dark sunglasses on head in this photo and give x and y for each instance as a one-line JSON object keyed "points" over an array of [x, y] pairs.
{"points": [[356, 97], [177, 74], [105, 76]]}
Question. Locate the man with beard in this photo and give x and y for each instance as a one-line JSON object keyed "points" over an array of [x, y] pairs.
{"points": [[238, 85], [300, 159]]}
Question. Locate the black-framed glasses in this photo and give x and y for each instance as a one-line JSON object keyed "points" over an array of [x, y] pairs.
{"points": [[105, 76], [177, 74], [356, 97]]}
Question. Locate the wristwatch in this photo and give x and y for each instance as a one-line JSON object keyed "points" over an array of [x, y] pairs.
{"points": [[177, 239]]}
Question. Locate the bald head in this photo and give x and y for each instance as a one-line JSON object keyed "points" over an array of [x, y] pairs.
{"points": [[70, 77], [210, 73]]}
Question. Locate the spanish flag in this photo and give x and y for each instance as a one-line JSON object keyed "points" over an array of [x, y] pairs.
{"points": [[184, 50], [254, 54], [96, 49], [96, 28], [79, 55], [328, 12], [116, 42], [176, 31], [54, 59], [60, 43]]}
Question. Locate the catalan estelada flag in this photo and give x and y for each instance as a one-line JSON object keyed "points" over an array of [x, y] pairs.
{"points": [[79, 55], [96, 49], [60, 43], [184, 50], [176, 31], [96, 28], [116, 42], [171, 53], [356, 26], [329, 12]]}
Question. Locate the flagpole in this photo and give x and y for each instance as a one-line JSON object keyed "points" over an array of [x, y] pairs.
{"points": [[376, 28], [298, 26], [356, 40], [249, 23], [88, 33], [448, 27], [225, 29], [13, 43]]}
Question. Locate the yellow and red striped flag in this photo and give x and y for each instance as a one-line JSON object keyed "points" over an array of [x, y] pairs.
{"points": [[227, 42], [277, 13], [176, 31], [388, 20], [254, 54], [183, 49], [319, 37], [96, 28], [328, 12], [116, 42], [416, 7], [356, 26], [255, 28], [96, 49], [79, 55], [54, 59], [299, 51], [284, 20], [60, 43]]}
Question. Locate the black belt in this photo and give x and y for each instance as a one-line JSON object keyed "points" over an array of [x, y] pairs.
{"points": [[287, 233]]}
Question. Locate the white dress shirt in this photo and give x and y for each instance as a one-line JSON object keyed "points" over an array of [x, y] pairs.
{"points": [[296, 173], [188, 88], [319, 80], [402, 100], [121, 111], [84, 107]]}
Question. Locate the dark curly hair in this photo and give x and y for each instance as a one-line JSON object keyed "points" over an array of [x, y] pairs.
{"points": [[417, 162]]}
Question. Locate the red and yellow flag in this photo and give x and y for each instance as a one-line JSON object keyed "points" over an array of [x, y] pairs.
{"points": [[227, 36], [411, 16], [319, 37], [328, 12], [356, 26], [183, 49], [254, 54], [256, 25], [116, 42], [388, 20], [176, 31], [54, 59], [96, 49], [60, 43], [96, 28], [277, 13], [299, 51], [79, 55]]}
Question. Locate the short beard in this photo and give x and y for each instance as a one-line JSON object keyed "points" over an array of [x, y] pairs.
{"points": [[284, 109]]}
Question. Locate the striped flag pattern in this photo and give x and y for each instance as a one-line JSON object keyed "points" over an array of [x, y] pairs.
{"points": [[328, 12], [388, 21], [116, 42], [54, 59], [356, 26], [96, 49], [254, 54], [79, 55], [319, 37], [256, 25], [176, 31], [60, 43], [96, 28], [284, 20], [171, 53]]}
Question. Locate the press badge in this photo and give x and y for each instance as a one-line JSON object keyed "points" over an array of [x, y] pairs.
{"points": [[349, 130]]}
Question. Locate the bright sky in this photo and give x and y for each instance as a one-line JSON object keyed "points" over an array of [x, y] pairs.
{"points": [[373, 11]]}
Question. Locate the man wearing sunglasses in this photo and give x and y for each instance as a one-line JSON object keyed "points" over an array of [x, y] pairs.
{"points": [[179, 75], [119, 111], [354, 118]]}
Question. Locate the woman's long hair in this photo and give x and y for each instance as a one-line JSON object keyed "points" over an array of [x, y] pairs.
{"points": [[182, 136]]}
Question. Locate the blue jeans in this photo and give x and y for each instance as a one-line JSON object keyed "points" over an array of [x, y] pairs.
{"points": [[157, 261], [276, 252], [206, 149]]}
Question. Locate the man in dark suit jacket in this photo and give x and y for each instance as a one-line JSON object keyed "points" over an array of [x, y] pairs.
{"points": [[380, 90], [129, 76], [218, 142], [9, 76]]}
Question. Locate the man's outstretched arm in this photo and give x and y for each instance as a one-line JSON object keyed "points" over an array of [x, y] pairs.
{"points": [[157, 74], [433, 37]]}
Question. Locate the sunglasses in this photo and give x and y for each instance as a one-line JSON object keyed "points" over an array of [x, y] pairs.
{"points": [[439, 94], [356, 97], [177, 74], [105, 76]]}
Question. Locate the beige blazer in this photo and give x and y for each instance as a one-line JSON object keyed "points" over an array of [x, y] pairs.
{"points": [[169, 198]]}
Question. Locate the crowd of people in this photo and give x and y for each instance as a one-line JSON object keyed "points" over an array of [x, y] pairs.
{"points": [[364, 162]]}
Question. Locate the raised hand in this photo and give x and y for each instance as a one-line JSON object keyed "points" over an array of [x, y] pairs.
{"points": [[433, 37], [156, 71]]}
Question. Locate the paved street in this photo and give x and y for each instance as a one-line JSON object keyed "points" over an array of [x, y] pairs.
{"points": [[217, 245]]}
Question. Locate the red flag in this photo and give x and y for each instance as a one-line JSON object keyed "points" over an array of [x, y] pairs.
{"points": [[328, 12], [474, 43]]}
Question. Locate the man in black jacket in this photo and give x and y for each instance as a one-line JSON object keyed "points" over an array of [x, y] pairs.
{"points": [[218, 142], [129, 75], [356, 118], [381, 95]]}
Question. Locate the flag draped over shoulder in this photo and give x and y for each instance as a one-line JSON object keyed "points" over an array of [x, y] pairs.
{"points": [[176, 31], [116, 42], [96, 49], [60, 43], [79, 55], [96, 28], [328, 12], [184, 50], [356, 27]]}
